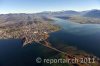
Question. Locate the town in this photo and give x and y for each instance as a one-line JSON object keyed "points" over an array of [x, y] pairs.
{"points": [[29, 33]]}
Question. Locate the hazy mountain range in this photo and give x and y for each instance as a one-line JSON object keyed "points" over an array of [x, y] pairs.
{"points": [[89, 13], [89, 16]]}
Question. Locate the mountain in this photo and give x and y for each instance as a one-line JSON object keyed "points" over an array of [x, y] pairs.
{"points": [[6, 19], [66, 13], [20, 18], [59, 13], [92, 13]]}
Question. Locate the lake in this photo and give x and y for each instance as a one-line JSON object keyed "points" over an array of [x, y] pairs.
{"points": [[83, 36]]}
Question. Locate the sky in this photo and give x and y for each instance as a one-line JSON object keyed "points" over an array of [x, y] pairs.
{"points": [[34, 6]]}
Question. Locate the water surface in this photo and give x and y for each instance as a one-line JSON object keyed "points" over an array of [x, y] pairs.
{"points": [[83, 36]]}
